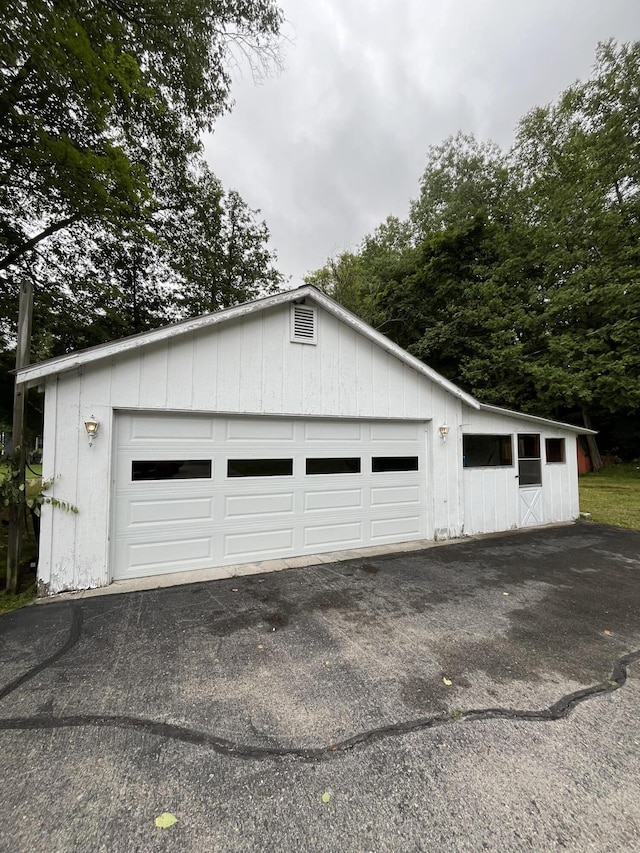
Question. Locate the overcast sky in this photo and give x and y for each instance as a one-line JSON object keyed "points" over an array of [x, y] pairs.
{"points": [[337, 142]]}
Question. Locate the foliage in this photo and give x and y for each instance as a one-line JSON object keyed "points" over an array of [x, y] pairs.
{"points": [[516, 274], [207, 252], [10, 602], [356, 279], [612, 496], [93, 94], [463, 179], [27, 494], [105, 202]]}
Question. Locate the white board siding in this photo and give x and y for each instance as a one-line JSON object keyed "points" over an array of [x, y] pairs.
{"points": [[248, 366], [492, 495], [560, 482]]}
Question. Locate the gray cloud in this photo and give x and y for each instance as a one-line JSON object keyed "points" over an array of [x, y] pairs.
{"points": [[338, 141]]}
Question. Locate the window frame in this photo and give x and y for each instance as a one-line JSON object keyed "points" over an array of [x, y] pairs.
{"points": [[150, 463], [400, 470], [230, 476], [525, 436], [501, 438], [320, 459], [563, 451]]}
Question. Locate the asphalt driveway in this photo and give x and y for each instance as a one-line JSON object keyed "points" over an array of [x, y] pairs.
{"points": [[478, 695]]}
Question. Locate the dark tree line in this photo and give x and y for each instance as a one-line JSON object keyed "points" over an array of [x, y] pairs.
{"points": [[517, 273]]}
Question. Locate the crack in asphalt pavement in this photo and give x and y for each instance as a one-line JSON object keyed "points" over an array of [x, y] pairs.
{"points": [[557, 711]]}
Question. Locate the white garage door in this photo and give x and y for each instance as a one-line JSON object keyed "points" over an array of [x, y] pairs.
{"points": [[195, 491]]}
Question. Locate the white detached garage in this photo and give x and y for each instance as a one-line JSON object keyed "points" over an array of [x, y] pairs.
{"points": [[281, 428]]}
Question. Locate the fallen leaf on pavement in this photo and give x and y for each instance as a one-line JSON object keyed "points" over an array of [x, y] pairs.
{"points": [[165, 820], [447, 681], [608, 633], [326, 797]]}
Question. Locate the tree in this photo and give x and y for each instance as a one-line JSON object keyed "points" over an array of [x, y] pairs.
{"points": [[519, 277], [93, 93], [355, 279], [204, 249], [96, 98], [218, 250], [579, 169], [463, 178]]}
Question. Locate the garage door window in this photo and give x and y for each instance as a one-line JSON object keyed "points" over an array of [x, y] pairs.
{"points": [[394, 463], [334, 465], [259, 467], [172, 469]]}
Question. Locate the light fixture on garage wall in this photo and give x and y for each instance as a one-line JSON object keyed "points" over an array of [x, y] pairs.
{"points": [[444, 432], [91, 427]]}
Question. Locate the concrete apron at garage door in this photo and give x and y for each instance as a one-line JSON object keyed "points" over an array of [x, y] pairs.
{"points": [[183, 578]]}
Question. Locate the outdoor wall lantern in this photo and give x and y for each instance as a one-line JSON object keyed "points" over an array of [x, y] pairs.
{"points": [[444, 432], [91, 427]]}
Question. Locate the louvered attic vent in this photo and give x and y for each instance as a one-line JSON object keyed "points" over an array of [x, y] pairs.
{"points": [[303, 324]]}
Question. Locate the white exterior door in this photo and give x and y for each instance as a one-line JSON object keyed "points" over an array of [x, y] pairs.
{"points": [[196, 491], [531, 506]]}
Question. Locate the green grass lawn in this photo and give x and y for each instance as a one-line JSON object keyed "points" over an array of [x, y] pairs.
{"points": [[612, 496]]}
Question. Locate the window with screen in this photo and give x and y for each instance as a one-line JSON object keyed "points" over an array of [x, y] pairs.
{"points": [[486, 451], [529, 462]]}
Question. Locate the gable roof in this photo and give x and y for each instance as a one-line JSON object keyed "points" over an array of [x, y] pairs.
{"points": [[33, 373]]}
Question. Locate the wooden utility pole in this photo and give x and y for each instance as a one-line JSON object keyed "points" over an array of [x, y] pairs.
{"points": [[23, 351]]}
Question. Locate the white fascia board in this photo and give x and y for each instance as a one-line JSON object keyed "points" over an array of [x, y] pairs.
{"points": [[62, 364], [485, 407], [393, 349]]}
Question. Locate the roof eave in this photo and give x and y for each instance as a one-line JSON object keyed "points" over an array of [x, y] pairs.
{"points": [[33, 373], [537, 419]]}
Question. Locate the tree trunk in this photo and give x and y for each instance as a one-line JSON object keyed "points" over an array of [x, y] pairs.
{"points": [[594, 453], [23, 348]]}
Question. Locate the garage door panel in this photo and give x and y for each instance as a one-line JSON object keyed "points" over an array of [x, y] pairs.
{"points": [[322, 431], [167, 554], [329, 500], [246, 505], [252, 430], [169, 510], [385, 528], [249, 545], [145, 429], [395, 495], [394, 432], [334, 535]]}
